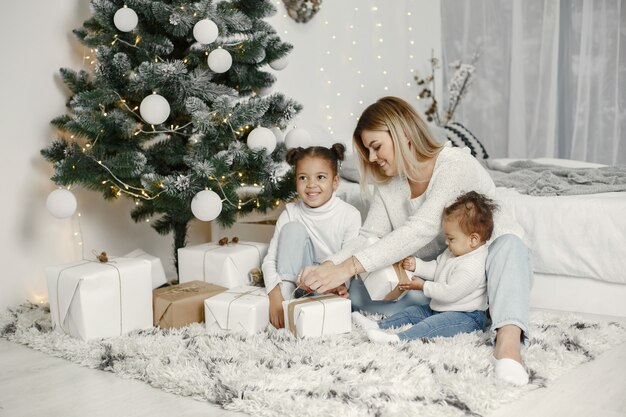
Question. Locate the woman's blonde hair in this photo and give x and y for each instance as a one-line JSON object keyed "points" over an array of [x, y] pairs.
{"points": [[412, 141]]}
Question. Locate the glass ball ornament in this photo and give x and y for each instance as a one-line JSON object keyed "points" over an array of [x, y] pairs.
{"points": [[219, 60], [154, 109], [262, 138], [205, 31], [298, 138], [206, 205], [280, 136], [61, 203], [279, 64], [125, 19]]}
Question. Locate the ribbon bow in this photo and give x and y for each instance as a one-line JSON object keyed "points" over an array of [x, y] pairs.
{"points": [[102, 257], [224, 241]]}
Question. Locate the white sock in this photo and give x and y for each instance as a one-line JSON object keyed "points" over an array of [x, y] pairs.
{"points": [[379, 336], [510, 371], [363, 322]]}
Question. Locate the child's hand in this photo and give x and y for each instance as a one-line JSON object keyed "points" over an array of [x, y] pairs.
{"points": [[415, 284], [277, 315], [408, 263], [341, 291]]}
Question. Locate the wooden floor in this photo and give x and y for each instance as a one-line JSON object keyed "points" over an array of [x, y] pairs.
{"points": [[35, 384]]}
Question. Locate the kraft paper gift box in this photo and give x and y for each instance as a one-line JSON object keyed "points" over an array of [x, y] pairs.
{"points": [[244, 308], [382, 284], [178, 305], [318, 315], [158, 273], [226, 265], [92, 300]]}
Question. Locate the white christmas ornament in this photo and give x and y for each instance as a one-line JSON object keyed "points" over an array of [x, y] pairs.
{"points": [[206, 205], [205, 31], [154, 109], [263, 91], [61, 203], [279, 64], [220, 60], [262, 137], [298, 137], [125, 19], [280, 136]]}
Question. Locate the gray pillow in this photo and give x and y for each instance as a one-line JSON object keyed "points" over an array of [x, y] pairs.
{"points": [[350, 167]]}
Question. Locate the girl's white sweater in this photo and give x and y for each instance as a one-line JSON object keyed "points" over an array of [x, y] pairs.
{"points": [[330, 227]]}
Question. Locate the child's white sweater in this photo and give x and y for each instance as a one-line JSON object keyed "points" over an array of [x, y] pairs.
{"points": [[330, 227]]}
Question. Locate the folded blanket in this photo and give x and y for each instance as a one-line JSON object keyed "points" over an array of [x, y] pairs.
{"points": [[531, 178]]}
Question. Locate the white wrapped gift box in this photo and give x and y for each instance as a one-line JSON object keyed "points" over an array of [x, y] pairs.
{"points": [[158, 273], [382, 284], [91, 300], [225, 265], [244, 308], [318, 315]]}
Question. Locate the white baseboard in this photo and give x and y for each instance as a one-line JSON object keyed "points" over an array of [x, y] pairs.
{"points": [[584, 295]]}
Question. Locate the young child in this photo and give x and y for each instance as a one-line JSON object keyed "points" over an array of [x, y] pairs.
{"points": [[308, 231], [455, 281]]}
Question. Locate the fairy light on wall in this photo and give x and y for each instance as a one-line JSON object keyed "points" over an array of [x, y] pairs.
{"points": [[363, 49]]}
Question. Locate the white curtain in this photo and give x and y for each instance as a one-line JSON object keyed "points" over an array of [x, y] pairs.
{"points": [[551, 78]]}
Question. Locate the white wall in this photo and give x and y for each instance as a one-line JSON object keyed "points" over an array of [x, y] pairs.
{"points": [[37, 41]]}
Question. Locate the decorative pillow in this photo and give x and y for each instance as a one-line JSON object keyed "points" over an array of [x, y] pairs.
{"points": [[461, 138]]}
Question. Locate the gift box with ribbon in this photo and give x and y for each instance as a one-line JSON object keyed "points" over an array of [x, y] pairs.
{"points": [[382, 284], [225, 264], [94, 299], [316, 316], [158, 273], [244, 308], [178, 305]]}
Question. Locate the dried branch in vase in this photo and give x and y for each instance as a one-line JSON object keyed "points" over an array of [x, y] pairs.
{"points": [[457, 89]]}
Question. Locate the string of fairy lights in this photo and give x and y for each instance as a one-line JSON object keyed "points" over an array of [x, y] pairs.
{"points": [[366, 51]]}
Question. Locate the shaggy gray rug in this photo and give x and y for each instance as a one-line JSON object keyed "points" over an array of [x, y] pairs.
{"points": [[274, 374]]}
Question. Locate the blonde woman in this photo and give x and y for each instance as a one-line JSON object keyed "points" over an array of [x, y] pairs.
{"points": [[414, 179]]}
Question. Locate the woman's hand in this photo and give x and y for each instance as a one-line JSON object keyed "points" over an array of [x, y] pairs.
{"points": [[415, 284], [277, 316], [325, 277]]}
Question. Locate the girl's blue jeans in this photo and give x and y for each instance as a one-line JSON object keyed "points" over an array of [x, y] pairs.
{"points": [[429, 323], [294, 252]]}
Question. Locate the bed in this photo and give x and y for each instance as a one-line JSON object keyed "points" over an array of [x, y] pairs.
{"points": [[578, 243]]}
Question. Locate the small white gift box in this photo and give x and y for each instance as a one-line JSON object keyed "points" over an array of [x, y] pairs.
{"points": [[382, 284], [91, 300], [158, 273], [244, 308], [225, 265], [318, 315]]}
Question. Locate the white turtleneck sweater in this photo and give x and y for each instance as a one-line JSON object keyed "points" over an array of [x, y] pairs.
{"points": [[455, 283], [330, 227], [407, 226]]}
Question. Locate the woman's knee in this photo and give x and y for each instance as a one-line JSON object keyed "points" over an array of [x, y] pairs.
{"points": [[508, 248]]}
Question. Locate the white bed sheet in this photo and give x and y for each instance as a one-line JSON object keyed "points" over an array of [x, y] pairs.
{"points": [[577, 236]]}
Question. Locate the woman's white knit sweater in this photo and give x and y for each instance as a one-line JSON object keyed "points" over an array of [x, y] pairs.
{"points": [[408, 226]]}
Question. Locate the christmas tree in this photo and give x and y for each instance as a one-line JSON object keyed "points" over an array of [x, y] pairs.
{"points": [[174, 108]]}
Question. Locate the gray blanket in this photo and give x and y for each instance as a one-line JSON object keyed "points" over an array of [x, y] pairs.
{"points": [[531, 178]]}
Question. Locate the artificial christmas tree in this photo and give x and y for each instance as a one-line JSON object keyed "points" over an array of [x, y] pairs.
{"points": [[165, 114]]}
